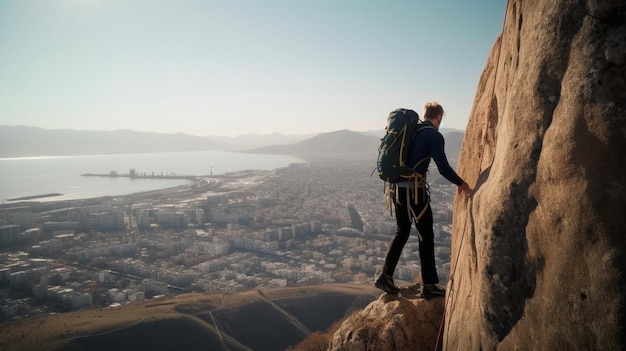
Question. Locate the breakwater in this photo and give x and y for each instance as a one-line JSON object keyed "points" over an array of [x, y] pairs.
{"points": [[32, 197], [131, 175]]}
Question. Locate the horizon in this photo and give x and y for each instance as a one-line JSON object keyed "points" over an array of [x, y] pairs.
{"points": [[237, 68], [372, 131]]}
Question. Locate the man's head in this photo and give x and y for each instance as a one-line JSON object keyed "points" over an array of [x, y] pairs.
{"points": [[433, 112]]}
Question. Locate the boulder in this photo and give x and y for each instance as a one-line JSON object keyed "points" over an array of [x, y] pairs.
{"points": [[391, 323]]}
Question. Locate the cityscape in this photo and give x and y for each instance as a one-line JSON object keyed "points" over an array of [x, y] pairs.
{"points": [[306, 224]]}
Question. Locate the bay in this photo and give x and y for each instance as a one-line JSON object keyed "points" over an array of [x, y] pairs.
{"points": [[34, 176]]}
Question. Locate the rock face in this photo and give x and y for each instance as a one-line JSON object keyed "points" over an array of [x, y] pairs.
{"points": [[391, 323], [539, 248]]}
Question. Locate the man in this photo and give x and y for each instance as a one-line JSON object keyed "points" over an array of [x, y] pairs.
{"points": [[411, 204]]}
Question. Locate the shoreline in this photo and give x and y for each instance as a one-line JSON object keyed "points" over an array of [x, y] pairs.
{"points": [[54, 197], [75, 180], [193, 185]]}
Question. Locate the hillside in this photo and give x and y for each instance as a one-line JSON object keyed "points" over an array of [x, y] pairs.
{"points": [[272, 319]]}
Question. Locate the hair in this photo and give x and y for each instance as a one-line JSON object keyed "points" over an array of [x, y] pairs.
{"points": [[432, 109]]}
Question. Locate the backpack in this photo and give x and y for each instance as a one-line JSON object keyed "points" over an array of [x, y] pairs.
{"points": [[402, 125]]}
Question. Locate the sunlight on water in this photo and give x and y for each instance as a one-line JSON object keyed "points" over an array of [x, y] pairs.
{"points": [[34, 176]]}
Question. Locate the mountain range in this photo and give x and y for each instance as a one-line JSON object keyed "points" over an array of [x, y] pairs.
{"points": [[23, 141]]}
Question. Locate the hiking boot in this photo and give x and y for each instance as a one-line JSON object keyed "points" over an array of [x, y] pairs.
{"points": [[386, 284], [432, 290]]}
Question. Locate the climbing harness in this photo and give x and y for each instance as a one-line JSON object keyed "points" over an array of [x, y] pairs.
{"points": [[412, 191]]}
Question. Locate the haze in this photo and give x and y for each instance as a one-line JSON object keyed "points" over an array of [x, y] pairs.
{"points": [[237, 67]]}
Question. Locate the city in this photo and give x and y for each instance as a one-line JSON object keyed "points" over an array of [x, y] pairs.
{"points": [[306, 224]]}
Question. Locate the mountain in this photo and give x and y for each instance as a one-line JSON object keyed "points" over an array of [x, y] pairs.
{"points": [[19, 141], [346, 144], [23, 141], [341, 143], [258, 140], [380, 132]]}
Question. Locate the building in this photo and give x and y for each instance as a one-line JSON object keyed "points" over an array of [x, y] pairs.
{"points": [[9, 234], [172, 219]]}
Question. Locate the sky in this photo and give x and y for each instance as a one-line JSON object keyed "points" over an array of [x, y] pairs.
{"points": [[235, 67]]}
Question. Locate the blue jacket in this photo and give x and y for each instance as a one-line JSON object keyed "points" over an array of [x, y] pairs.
{"points": [[429, 143]]}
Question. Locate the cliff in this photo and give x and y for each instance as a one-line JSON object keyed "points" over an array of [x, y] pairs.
{"points": [[538, 249]]}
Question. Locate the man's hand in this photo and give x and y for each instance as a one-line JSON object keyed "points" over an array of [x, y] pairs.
{"points": [[464, 188]]}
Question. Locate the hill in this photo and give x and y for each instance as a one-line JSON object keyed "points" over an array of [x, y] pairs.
{"points": [[257, 140], [346, 144], [21, 141], [339, 144], [272, 319]]}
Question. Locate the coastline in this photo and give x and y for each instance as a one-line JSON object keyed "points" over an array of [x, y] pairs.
{"points": [[198, 186], [77, 177]]}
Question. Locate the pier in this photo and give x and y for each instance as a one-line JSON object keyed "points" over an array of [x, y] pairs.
{"points": [[134, 175]]}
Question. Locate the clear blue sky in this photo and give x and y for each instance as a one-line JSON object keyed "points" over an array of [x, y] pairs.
{"points": [[231, 67]]}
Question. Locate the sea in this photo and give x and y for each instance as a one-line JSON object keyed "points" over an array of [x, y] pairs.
{"points": [[36, 176]]}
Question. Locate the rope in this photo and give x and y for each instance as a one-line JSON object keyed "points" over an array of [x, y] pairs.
{"points": [[447, 298], [458, 254]]}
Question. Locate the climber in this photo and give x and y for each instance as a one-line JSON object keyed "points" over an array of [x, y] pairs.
{"points": [[411, 204]]}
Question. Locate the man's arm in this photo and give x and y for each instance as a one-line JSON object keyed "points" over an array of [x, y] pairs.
{"points": [[437, 146]]}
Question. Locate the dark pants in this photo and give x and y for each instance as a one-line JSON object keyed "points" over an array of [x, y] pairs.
{"points": [[403, 229]]}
